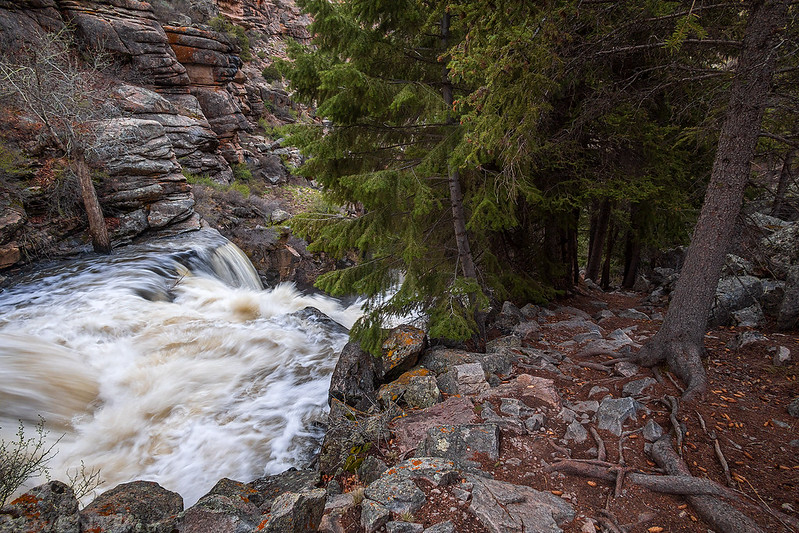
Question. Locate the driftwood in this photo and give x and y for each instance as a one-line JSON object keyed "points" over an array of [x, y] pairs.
{"points": [[720, 515]]}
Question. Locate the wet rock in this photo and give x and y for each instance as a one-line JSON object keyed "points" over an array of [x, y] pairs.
{"points": [[48, 507], [507, 508], [460, 443], [613, 413], [576, 432], [400, 352], [412, 429], [354, 378], [633, 314], [373, 516], [403, 527], [296, 512], [470, 379], [292, 480], [416, 388], [637, 387], [130, 506]]}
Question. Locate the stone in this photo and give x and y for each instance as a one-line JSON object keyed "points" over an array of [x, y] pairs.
{"points": [[460, 443], [507, 508], [403, 527], [412, 429], [781, 249], [749, 317], [583, 337], [576, 432], [527, 386], [354, 378], [788, 316], [633, 314], [218, 513], [416, 389], [292, 480], [296, 512], [535, 422], [793, 408], [604, 313], [130, 506], [373, 515], [470, 379], [396, 493], [613, 413], [400, 352], [597, 390], [736, 266], [508, 342], [442, 360], [745, 338], [587, 406], [652, 431], [782, 357], [773, 296], [48, 507], [732, 294], [508, 318], [441, 527], [637, 387], [625, 369], [437, 471], [371, 469], [528, 331]]}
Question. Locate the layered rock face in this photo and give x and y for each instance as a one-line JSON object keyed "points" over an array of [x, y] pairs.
{"points": [[182, 97]]}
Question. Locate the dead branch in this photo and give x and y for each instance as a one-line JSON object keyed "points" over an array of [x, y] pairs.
{"points": [[717, 448], [720, 515], [601, 453]]}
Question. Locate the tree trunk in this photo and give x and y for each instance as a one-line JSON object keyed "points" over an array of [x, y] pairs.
{"points": [[597, 242], [455, 192], [632, 249], [680, 340], [97, 228], [605, 282], [782, 185]]}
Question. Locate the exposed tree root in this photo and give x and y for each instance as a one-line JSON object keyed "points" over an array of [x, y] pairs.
{"points": [[670, 484], [720, 515], [684, 359]]}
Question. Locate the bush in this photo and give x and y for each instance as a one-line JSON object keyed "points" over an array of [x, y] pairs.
{"points": [[24, 458], [236, 34], [241, 172], [271, 73]]}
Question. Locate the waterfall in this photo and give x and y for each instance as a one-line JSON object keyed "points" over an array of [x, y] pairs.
{"points": [[168, 362]]}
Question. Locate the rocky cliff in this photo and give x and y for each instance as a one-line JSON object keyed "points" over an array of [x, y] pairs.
{"points": [[179, 101]]}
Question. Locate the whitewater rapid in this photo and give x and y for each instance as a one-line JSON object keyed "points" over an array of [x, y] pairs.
{"points": [[169, 363]]}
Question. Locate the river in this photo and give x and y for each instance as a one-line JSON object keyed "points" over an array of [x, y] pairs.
{"points": [[168, 362]]}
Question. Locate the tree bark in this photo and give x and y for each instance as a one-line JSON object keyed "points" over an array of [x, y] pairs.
{"points": [[782, 185], [632, 249], [680, 340], [597, 241], [455, 191], [611, 242], [97, 229]]}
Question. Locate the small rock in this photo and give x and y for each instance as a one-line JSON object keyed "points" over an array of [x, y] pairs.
{"points": [[794, 443], [296, 512], [535, 422], [471, 379], [403, 527], [373, 516], [588, 406], [633, 314], [567, 415], [749, 317], [442, 527], [793, 408], [625, 369], [278, 216], [460, 443], [746, 338], [596, 390], [583, 337], [604, 313], [635, 388], [782, 357], [613, 413], [371, 469], [576, 432], [652, 431]]}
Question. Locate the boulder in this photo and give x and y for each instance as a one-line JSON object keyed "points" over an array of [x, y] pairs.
{"points": [[295, 512], [416, 389], [529, 388], [48, 507], [781, 249], [749, 317], [460, 443], [613, 413], [373, 515], [395, 493], [507, 508], [411, 429], [132, 506], [218, 513], [268, 488], [788, 316], [353, 380], [637, 387], [400, 352], [733, 293]]}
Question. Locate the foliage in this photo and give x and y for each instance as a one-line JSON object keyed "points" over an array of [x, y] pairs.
{"points": [[241, 172], [236, 34], [271, 72], [238, 187], [23, 458]]}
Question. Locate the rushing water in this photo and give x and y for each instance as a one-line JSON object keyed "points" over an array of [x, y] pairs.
{"points": [[167, 362]]}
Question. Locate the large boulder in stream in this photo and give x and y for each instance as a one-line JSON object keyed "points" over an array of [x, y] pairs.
{"points": [[136, 506], [353, 381]]}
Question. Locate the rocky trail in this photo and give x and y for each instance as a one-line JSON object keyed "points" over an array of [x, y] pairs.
{"points": [[561, 434]]}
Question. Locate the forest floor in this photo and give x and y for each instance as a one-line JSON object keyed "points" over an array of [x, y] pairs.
{"points": [[744, 409]]}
